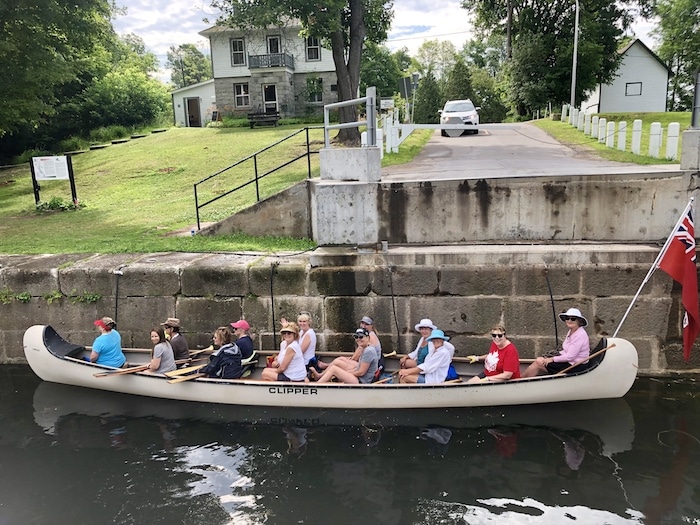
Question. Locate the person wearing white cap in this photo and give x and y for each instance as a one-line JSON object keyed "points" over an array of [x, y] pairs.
{"points": [[576, 348], [434, 368]]}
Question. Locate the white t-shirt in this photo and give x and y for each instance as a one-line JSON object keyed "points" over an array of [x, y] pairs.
{"points": [[311, 350], [296, 371]]}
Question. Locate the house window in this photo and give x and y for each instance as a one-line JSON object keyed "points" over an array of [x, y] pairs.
{"points": [[237, 52], [273, 45], [313, 48], [241, 95], [633, 89], [314, 87]]}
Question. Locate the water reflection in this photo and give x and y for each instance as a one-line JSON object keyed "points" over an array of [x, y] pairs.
{"points": [[112, 458]]}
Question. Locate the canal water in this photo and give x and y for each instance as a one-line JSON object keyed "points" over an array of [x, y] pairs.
{"points": [[70, 455]]}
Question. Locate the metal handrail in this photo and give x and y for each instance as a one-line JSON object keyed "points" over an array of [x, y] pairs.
{"points": [[257, 176], [371, 122]]}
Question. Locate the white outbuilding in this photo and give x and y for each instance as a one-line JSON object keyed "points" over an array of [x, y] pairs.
{"points": [[640, 85]]}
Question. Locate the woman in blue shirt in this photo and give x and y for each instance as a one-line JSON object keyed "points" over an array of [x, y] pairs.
{"points": [[107, 348]]}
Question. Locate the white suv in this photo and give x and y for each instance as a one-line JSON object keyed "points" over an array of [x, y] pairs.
{"points": [[463, 110]]}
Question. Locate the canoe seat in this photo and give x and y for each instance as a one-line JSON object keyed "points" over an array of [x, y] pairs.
{"points": [[595, 361], [59, 346]]}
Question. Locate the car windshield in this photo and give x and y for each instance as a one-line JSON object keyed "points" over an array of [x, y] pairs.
{"points": [[453, 107]]}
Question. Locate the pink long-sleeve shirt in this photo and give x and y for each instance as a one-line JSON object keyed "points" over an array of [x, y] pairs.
{"points": [[576, 347]]}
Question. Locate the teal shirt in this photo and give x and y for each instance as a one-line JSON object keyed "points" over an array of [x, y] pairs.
{"points": [[108, 346]]}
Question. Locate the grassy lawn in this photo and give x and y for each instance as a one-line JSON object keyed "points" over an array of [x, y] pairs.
{"points": [[570, 136], [139, 194]]}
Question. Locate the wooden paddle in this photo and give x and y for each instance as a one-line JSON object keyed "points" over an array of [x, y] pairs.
{"points": [[584, 360], [386, 379], [184, 371], [122, 371], [185, 378]]}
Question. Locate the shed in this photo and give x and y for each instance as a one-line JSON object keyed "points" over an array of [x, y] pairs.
{"points": [[194, 106], [641, 84]]}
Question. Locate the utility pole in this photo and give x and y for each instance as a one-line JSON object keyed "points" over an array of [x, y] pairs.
{"points": [[573, 67]]}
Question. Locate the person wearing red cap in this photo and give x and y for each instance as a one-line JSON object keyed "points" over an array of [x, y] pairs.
{"points": [[107, 347], [243, 339]]}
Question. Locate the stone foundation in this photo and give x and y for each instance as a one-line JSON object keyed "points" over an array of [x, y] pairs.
{"points": [[465, 290]]}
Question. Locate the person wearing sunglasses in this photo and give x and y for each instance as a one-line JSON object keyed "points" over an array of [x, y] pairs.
{"points": [[362, 373], [289, 363], [501, 363], [575, 349]]}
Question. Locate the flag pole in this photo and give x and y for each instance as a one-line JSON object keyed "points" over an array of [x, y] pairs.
{"points": [[651, 271]]}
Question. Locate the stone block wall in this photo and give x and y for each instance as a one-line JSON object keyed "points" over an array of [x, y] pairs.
{"points": [[464, 290]]}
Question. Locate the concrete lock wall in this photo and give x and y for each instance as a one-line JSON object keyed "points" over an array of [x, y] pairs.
{"points": [[607, 208], [465, 290]]}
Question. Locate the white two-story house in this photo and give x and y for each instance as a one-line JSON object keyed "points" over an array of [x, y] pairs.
{"points": [[270, 70]]}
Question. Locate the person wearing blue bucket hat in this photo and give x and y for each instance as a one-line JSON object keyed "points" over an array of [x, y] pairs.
{"points": [[575, 349], [437, 362]]}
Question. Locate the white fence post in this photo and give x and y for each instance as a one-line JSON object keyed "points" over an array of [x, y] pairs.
{"points": [[579, 122], [586, 123], [602, 123], [622, 136], [610, 135], [563, 112], [594, 126], [674, 129], [637, 137], [655, 140]]}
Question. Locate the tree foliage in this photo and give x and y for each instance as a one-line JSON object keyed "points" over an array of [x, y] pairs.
{"points": [[43, 46], [679, 29], [459, 82], [428, 100], [188, 65], [345, 24], [438, 57], [542, 30], [379, 68]]}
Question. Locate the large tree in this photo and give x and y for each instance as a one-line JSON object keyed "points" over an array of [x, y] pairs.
{"points": [[679, 29], [428, 100], [379, 68], [188, 65], [459, 82], [43, 46], [543, 43], [345, 24]]}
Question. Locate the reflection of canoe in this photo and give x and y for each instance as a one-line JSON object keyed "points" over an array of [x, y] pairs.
{"points": [[610, 419], [56, 360]]}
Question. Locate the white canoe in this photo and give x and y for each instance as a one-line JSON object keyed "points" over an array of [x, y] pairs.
{"points": [[56, 360]]}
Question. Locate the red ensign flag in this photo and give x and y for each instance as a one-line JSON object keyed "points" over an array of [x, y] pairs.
{"points": [[679, 263]]}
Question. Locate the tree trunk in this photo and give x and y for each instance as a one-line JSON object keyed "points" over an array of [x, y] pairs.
{"points": [[349, 72]]}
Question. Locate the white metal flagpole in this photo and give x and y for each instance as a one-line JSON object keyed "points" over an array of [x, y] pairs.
{"points": [[654, 266]]}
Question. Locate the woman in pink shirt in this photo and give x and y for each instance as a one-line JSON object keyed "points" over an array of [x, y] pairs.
{"points": [[576, 348]]}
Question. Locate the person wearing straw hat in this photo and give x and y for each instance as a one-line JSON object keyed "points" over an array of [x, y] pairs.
{"points": [[289, 363], [178, 342], [575, 349], [437, 362]]}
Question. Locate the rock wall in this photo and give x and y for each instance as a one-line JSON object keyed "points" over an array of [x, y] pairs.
{"points": [[465, 290]]}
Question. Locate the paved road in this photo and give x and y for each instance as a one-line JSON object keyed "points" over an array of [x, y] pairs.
{"points": [[510, 150]]}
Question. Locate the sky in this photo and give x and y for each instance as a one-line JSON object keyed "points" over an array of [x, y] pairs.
{"points": [[165, 23]]}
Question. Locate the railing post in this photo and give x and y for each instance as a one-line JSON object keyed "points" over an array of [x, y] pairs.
{"points": [[371, 95], [257, 185], [326, 123], [308, 152], [196, 206]]}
